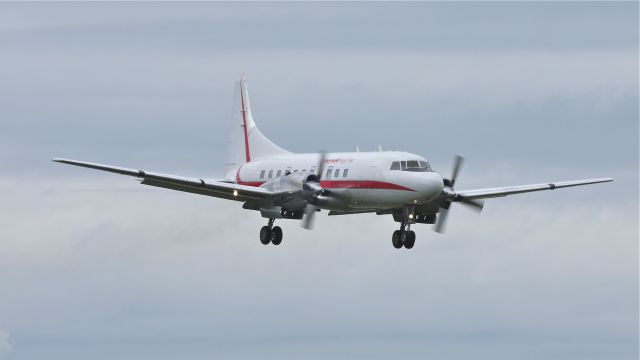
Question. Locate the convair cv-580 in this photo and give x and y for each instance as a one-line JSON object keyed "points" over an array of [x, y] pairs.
{"points": [[283, 185]]}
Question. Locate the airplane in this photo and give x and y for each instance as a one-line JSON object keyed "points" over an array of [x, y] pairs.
{"points": [[285, 185]]}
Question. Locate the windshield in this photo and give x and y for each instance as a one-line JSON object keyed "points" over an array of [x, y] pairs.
{"points": [[411, 165]]}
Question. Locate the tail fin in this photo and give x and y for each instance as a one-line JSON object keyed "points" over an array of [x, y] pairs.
{"points": [[246, 142]]}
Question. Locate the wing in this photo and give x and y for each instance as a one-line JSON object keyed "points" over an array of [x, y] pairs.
{"points": [[213, 188], [511, 190]]}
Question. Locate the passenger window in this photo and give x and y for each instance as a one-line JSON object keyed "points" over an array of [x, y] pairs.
{"points": [[395, 165], [345, 172], [262, 174], [278, 173], [337, 174], [270, 174], [328, 174]]}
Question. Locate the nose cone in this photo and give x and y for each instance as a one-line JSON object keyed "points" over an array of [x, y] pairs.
{"points": [[431, 186]]}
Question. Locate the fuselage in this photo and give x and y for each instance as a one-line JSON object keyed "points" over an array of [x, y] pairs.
{"points": [[358, 180]]}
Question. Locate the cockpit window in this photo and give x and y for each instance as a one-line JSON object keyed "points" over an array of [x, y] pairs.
{"points": [[424, 164], [411, 165]]}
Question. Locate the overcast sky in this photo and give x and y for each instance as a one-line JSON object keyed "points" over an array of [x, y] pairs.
{"points": [[93, 265]]}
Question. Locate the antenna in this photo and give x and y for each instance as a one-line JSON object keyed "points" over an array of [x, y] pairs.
{"points": [[357, 148], [380, 148]]}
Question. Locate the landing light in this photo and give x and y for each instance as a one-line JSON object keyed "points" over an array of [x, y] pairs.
{"points": [[235, 192], [410, 216]]}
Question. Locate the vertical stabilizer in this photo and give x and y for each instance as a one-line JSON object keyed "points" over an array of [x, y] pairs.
{"points": [[246, 142]]}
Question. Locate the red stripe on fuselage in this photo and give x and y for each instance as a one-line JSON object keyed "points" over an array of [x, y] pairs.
{"points": [[244, 122], [343, 184], [361, 184]]}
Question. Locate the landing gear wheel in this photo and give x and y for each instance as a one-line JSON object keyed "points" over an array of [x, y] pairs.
{"points": [[265, 235], [410, 239], [276, 235], [396, 239]]}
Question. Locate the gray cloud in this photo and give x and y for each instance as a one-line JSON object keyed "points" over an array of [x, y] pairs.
{"points": [[530, 96], [155, 267], [200, 28], [5, 347]]}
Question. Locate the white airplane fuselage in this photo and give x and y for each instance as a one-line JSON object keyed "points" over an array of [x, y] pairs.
{"points": [[358, 180]]}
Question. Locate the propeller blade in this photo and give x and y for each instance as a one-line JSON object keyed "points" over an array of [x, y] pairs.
{"points": [[321, 163], [457, 164], [307, 219], [475, 205], [441, 220]]}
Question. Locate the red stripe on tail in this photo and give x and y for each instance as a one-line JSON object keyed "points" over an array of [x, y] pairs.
{"points": [[244, 122]]}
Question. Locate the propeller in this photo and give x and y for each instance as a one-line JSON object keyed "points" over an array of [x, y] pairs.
{"points": [[312, 190], [457, 164], [450, 196], [307, 219]]}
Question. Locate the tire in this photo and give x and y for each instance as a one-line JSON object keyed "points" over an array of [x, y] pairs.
{"points": [[276, 235], [410, 240], [265, 235], [396, 239]]}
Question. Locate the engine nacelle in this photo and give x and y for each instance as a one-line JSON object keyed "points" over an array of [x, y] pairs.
{"points": [[289, 182], [329, 202]]}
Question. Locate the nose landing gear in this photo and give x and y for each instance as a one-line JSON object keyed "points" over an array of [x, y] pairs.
{"points": [[271, 234], [403, 237]]}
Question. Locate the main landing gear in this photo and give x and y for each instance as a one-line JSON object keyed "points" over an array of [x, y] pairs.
{"points": [[271, 234], [403, 237]]}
